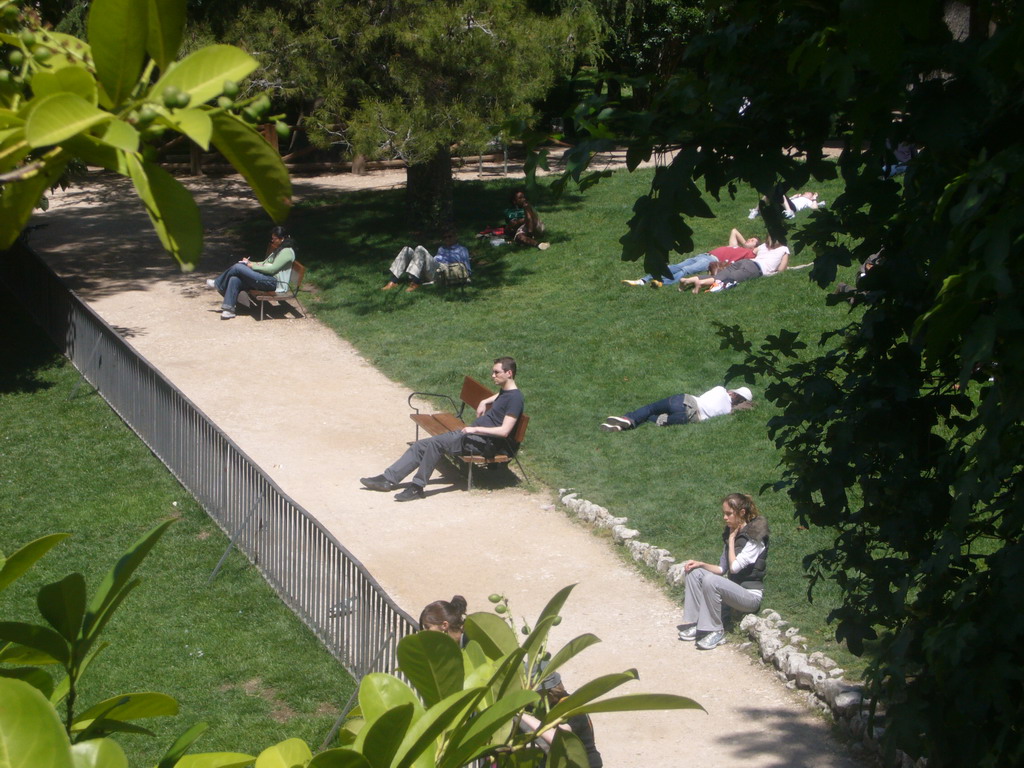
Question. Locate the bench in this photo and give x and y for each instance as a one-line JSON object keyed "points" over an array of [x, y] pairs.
{"points": [[444, 422], [292, 294]]}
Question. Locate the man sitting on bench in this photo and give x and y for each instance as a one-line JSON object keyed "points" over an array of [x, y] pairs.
{"points": [[497, 421]]}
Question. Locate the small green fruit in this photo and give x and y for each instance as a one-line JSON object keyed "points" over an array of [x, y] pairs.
{"points": [[16, 58], [41, 53], [557, 621], [224, 102], [495, 598], [170, 96], [283, 131], [500, 609], [5, 76], [146, 115], [250, 115], [525, 630], [230, 89], [28, 37]]}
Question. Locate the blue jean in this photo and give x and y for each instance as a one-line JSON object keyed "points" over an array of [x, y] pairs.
{"points": [[240, 277], [675, 408], [691, 266]]}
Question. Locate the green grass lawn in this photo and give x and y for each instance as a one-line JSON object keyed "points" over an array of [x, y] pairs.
{"points": [[231, 653], [587, 347]]}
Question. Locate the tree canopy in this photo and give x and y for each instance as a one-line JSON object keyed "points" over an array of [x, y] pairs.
{"points": [[902, 429]]}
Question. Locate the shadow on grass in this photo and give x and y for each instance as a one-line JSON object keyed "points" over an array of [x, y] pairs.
{"points": [[25, 350]]}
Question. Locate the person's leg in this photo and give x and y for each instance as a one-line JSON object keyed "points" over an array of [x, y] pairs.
{"points": [[650, 412], [424, 455], [421, 266], [399, 266], [691, 266], [240, 278], [712, 590], [682, 409]]}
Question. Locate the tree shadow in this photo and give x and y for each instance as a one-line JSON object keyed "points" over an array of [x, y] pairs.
{"points": [[785, 737], [25, 350]]}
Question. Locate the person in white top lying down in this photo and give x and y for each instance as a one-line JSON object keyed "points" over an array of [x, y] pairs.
{"points": [[683, 409]]}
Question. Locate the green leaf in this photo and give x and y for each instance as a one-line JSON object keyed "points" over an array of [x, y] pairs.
{"points": [[172, 210], [495, 637], [31, 735], [478, 736], [117, 579], [339, 758], [166, 27], [570, 649], [117, 35], [588, 692], [380, 740], [72, 79], [62, 604], [290, 753], [90, 150], [433, 723], [216, 760], [194, 123], [19, 199], [39, 679], [257, 161], [64, 686], [379, 692], [567, 751], [432, 662], [98, 753], [635, 702], [42, 639], [202, 74], [120, 135], [183, 742], [128, 706], [23, 558], [60, 116], [12, 653]]}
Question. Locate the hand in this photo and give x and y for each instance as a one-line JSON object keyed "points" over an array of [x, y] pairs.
{"points": [[468, 430], [689, 565]]}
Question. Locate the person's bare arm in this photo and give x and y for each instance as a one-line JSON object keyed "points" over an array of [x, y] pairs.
{"points": [[784, 263], [503, 430], [736, 239]]}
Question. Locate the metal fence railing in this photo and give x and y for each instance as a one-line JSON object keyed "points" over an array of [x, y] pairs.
{"points": [[320, 580]]}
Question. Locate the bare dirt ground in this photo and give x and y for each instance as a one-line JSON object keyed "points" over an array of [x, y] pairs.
{"points": [[345, 420]]}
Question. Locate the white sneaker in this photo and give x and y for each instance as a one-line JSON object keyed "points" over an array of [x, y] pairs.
{"points": [[543, 246], [632, 282], [227, 314], [754, 213], [210, 283]]}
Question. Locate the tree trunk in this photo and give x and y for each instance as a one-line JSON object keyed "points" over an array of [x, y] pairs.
{"points": [[428, 193]]}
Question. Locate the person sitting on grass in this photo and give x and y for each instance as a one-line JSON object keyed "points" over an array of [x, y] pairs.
{"points": [[737, 580], [770, 258], [683, 409], [522, 225], [271, 274], [496, 418], [739, 248], [451, 263], [792, 204]]}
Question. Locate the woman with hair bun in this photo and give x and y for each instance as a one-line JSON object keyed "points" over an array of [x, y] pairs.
{"points": [[446, 616], [737, 580]]}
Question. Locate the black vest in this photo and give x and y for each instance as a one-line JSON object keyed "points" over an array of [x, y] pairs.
{"points": [[751, 577]]}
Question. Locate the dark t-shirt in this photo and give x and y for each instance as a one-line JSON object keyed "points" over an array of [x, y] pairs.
{"points": [[508, 403]]}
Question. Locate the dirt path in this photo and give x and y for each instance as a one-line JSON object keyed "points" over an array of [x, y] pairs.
{"points": [[347, 420]]}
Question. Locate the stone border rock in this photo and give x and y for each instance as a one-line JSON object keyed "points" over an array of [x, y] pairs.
{"points": [[778, 643]]}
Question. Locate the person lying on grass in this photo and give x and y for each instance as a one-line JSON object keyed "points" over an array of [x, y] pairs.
{"points": [[451, 262], [770, 258], [496, 418], [737, 580], [683, 409], [739, 248]]}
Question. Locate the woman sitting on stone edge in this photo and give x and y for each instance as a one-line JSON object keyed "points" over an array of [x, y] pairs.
{"points": [[736, 580]]}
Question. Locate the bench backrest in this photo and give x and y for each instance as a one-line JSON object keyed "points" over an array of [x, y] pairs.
{"points": [[473, 392], [298, 273]]}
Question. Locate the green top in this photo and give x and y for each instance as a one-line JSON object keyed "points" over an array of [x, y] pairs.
{"points": [[279, 264]]}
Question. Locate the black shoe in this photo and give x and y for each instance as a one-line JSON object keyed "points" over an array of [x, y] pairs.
{"points": [[411, 492], [378, 483]]}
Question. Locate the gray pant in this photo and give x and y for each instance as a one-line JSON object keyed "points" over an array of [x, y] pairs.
{"points": [[415, 262], [705, 593], [427, 452]]}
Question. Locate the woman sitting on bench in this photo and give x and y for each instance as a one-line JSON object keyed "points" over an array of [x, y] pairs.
{"points": [[271, 274]]}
